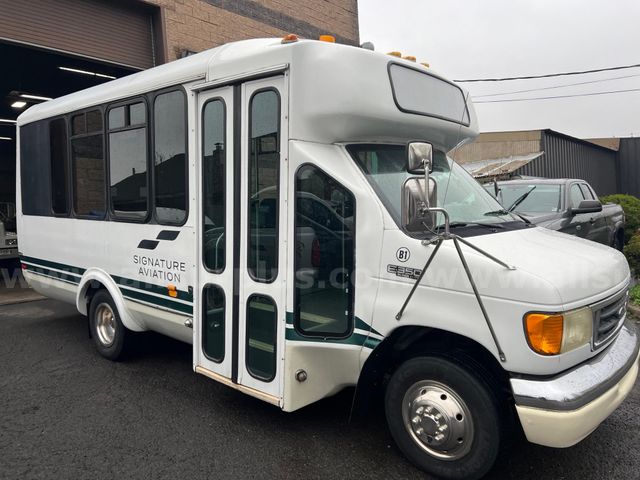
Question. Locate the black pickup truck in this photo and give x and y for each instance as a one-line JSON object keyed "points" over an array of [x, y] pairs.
{"points": [[567, 205]]}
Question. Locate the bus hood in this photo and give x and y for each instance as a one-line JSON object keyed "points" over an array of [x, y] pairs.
{"points": [[582, 271]]}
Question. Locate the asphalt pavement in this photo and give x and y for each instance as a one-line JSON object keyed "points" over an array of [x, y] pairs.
{"points": [[65, 412]]}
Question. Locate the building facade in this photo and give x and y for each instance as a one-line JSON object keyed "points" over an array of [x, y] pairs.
{"points": [[543, 153], [54, 47]]}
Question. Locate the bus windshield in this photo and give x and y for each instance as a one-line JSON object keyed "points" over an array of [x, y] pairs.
{"points": [[385, 167]]}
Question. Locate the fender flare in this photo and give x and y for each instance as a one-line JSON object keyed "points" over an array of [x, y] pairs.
{"points": [[95, 274]]}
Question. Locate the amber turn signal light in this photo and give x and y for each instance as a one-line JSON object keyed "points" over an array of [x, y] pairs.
{"points": [[544, 332], [172, 291]]}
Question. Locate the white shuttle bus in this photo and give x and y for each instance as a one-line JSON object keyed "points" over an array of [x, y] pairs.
{"points": [[288, 207]]}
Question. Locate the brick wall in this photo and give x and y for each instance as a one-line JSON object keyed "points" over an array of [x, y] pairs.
{"points": [[197, 25]]}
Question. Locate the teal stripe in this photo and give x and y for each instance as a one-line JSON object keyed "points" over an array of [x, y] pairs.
{"points": [[129, 283], [53, 274], [353, 339], [162, 302], [127, 286]]}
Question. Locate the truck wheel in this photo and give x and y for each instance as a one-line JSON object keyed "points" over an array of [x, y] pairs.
{"points": [[108, 332], [443, 418]]}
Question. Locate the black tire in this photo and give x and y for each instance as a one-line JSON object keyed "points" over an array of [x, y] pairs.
{"points": [[486, 423], [116, 349], [618, 240]]}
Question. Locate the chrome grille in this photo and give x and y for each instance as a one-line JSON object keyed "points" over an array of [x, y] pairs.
{"points": [[608, 317]]}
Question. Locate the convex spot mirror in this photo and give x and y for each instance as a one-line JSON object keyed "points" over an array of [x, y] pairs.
{"points": [[415, 213], [587, 206], [420, 158]]}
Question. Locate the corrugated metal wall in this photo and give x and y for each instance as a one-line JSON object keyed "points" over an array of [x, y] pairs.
{"points": [[566, 157], [629, 161], [116, 31]]}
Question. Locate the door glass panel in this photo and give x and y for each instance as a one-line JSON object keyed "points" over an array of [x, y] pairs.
{"points": [[213, 305], [576, 195], [324, 262], [264, 170], [213, 188], [261, 337]]}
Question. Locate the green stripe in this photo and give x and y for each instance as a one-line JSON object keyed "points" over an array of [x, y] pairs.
{"points": [[55, 275], [126, 285], [353, 339], [129, 283], [361, 325], [60, 266], [162, 302]]}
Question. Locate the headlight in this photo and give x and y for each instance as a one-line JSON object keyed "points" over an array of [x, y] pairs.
{"points": [[554, 333]]}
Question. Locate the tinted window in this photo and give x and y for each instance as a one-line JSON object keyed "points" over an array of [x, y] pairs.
{"points": [[324, 262], [576, 195], [261, 337], [419, 92], [128, 165], [586, 192], [88, 165], [264, 169], [59, 167], [170, 166], [117, 118], [213, 184], [213, 325], [35, 169]]}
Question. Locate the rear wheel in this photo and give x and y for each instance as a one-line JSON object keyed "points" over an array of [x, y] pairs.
{"points": [[444, 418], [107, 330]]}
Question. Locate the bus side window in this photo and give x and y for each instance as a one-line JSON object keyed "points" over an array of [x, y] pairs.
{"points": [[59, 167], [128, 161], [87, 163], [170, 158]]}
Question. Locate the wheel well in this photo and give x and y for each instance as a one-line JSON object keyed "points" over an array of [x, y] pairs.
{"points": [[93, 287], [412, 341]]}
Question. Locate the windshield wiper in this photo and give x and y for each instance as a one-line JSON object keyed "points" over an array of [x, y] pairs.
{"points": [[475, 224], [497, 213], [521, 199]]}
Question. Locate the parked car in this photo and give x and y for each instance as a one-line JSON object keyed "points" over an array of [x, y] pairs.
{"points": [[8, 244], [567, 205]]}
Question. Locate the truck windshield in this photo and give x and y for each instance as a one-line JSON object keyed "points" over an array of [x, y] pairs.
{"points": [[385, 166], [530, 198]]}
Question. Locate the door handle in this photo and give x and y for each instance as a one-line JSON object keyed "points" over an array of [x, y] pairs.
{"points": [[592, 220], [578, 227]]}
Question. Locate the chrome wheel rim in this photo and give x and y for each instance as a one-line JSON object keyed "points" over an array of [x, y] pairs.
{"points": [[438, 420], [105, 324]]}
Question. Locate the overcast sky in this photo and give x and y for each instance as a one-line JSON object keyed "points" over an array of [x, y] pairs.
{"points": [[500, 38]]}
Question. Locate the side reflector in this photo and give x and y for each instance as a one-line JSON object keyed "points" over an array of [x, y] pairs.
{"points": [[327, 38], [172, 291], [544, 332]]}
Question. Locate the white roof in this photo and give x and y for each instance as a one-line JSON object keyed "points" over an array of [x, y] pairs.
{"points": [[337, 93]]}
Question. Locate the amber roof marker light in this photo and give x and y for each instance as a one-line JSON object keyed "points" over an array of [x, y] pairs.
{"points": [[290, 38], [327, 38]]}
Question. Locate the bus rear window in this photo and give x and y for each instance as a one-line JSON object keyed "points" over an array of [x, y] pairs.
{"points": [[423, 94]]}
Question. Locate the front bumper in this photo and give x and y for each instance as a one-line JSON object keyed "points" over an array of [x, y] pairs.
{"points": [[562, 410]]}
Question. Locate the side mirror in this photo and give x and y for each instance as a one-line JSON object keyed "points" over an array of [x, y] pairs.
{"points": [[587, 206], [415, 213], [419, 158]]}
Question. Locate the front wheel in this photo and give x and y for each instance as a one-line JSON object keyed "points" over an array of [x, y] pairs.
{"points": [[443, 418]]}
